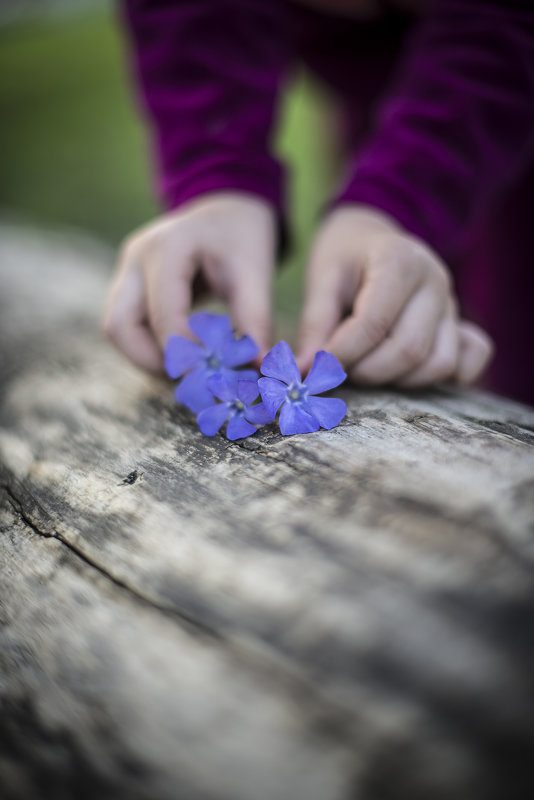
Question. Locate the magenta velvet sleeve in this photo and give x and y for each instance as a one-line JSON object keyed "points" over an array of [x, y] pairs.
{"points": [[210, 73], [457, 124]]}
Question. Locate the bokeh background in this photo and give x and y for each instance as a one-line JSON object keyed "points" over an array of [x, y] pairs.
{"points": [[74, 148]]}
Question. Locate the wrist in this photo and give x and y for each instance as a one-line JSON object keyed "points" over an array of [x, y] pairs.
{"points": [[238, 202], [366, 215]]}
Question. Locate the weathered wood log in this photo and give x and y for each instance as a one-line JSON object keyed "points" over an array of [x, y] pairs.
{"points": [[348, 614]]}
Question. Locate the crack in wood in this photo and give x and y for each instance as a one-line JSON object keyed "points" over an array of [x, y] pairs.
{"points": [[257, 654], [194, 623], [131, 478]]}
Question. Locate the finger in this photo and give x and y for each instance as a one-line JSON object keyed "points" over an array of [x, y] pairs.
{"points": [[476, 351], [409, 343], [169, 272], [323, 308], [442, 360], [250, 300], [377, 307], [125, 321]]}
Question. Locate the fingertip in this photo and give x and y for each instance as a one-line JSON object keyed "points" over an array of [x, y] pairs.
{"points": [[304, 360], [254, 321], [340, 345], [138, 345], [260, 337], [476, 351], [153, 366], [168, 294], [315, 335], [322, 310], [257, 361]]}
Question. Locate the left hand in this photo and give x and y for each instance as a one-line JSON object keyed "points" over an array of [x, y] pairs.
{"points": [[402, 326]]}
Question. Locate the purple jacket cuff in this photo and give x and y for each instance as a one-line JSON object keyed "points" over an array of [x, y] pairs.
{"points": [[268, 185], [264, 180]]}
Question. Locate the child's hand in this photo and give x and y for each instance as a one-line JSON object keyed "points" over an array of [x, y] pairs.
{"points": [[403, 326], [229, 237]]}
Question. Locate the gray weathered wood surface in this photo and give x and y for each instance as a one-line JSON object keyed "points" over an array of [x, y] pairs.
{"points": [[347, 615]]}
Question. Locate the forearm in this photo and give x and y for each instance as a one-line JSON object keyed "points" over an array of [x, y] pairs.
{"points": [[210, 73]]}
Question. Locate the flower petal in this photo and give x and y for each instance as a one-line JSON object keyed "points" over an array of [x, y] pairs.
{"points": [[211, 329], [193, 392], [247, 374], [234, 352], [280, 363], [273, 393], [294, 419], [247, 391], [182, 355], [326, 373], [328, 411], [223, 385], [239, 428], [258, 414], [211, 419]]}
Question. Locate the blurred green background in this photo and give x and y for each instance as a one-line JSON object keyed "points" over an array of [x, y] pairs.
{"points": [[74, 149]]}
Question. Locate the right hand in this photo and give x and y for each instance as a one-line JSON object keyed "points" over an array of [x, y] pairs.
{"points": [[226, 238]]}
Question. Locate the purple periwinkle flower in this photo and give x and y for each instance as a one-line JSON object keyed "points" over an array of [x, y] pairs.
{"points": [[218, 354], [237, 397], [302, 411]]}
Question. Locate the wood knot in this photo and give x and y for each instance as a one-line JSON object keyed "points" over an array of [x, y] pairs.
{"points": [[130, 478]]}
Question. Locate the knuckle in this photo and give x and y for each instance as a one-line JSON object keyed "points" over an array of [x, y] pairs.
{"points": [[416, 250], [417, 259], [412, 248], [155, 242], [384, 254], [128, 248], [411, 271]]}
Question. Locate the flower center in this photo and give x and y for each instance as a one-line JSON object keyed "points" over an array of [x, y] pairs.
{"points": [[213, 362], [297, 392], [238, 406]]}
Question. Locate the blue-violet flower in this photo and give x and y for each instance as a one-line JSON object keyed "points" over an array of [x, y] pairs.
{"points": [[237, 396], [302, 411], [219, 352]]}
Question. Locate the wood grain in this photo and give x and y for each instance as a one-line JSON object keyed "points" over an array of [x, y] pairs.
{"points": [[348, 614]]}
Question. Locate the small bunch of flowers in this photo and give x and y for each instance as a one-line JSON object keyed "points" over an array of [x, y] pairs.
{"points": [[216, 388]]}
